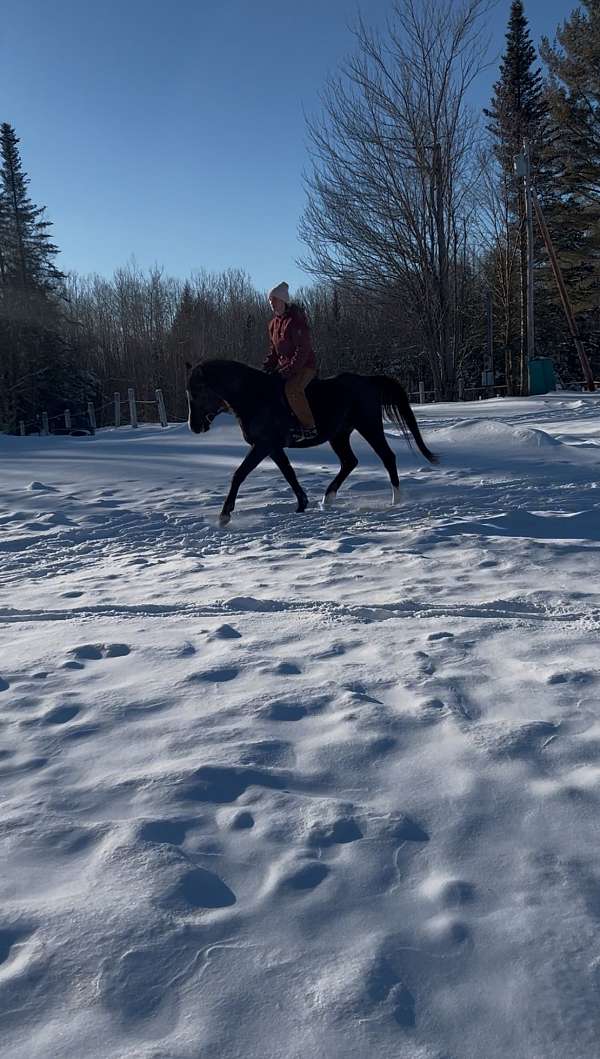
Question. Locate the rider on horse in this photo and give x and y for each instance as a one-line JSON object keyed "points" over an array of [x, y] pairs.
{"points": [[291, 355]]}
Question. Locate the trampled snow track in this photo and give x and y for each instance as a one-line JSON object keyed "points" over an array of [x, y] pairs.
{"points": [[315, 785]]}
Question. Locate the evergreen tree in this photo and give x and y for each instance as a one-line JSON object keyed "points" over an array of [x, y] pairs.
{"points": [[28, 251], [183, 326], [39, 368], [518, 112], [573, 211]]}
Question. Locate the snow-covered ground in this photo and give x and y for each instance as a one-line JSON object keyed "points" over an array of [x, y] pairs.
{"points": [[316, 785]]}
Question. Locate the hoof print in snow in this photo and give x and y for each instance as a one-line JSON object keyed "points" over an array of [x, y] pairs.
{"points": [[307, 877], [452, 893], [578, 677], [61, 715], [171, 832], [458, 892], [10, 936], [116, 650], [225, 632], [286, 669], [445, 935], [283, 711], [338, 833], [384, 990], [268, 753], [426, 666], [72, 665], [440, 636], [403, 828], [87, 651], [290, 709], [433, 710], [214, 676], [4, 685], [93, 652], [223, 785], [242, 822], [200, 889]]}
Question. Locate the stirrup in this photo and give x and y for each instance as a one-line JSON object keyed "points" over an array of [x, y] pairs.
{"points": [[304, 433]]}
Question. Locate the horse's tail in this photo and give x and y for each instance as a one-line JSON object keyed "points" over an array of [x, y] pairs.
{"points": [[396, 407]]}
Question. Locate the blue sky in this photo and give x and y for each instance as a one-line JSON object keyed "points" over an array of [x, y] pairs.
{"points": [[175, 132]]}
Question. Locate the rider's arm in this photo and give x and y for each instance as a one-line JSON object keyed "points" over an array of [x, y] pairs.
{"points": [[301, 348], [270, 362], [272, 359]]}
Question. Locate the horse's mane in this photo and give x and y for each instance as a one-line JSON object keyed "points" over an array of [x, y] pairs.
{"points": [[228, 363], [218, 367]]}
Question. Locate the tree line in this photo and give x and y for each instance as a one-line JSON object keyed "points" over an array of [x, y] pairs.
{"points": [[414, 232]]}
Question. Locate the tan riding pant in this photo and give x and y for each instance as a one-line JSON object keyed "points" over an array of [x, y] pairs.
{"points": [[294, 391]]}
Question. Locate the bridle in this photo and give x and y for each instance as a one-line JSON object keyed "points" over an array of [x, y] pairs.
{"points": [[209, 416]]}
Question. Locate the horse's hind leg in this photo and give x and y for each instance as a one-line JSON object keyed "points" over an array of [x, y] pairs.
{"points": [[343, 450], [374, 435], [280, 459]]}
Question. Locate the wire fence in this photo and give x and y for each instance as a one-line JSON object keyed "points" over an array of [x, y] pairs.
{"points": [[113, 412], [121, 412], [464, 393]]}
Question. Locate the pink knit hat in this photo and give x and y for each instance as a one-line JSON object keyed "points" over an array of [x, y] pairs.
{"points": [[280, 291]]}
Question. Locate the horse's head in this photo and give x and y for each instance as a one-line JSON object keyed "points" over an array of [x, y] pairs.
{"points": [[203, 403]]}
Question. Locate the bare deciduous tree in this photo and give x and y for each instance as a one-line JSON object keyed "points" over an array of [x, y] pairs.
{"points": [[394, 156]]}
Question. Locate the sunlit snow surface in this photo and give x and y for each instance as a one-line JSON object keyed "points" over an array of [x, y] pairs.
{"points": [[316, 785]]}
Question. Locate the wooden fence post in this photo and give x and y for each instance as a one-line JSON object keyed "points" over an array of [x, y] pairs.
{"points": [[162, 412], [45, 427], [132, 408], [421, 393], [117, 401], [22, 427], [67, 419], [92, 417]]}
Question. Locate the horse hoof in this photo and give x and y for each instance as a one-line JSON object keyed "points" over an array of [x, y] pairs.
{"points": [[395, 495], [224, 520], [329, 499]]}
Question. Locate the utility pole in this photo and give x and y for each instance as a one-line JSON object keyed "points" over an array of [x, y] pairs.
{"points": [[490, 336], [564, 297], [523, 169]]}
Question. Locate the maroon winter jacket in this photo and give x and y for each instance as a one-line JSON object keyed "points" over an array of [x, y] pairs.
{"points": [[291, 347]]}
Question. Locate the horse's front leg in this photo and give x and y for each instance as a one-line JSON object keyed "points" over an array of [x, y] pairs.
{"points": [[254, 457]]}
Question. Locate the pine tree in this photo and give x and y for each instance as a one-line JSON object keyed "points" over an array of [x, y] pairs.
{"points": [[39, 370], [573, 212], [183, 326], [518, 112], [28, 251]]}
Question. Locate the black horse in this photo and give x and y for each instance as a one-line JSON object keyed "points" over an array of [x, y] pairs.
{"points": [[340, 405]]}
